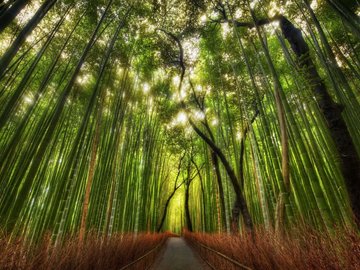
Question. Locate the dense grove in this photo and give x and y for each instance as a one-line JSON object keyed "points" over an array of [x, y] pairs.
{"points": [[212, 116]]}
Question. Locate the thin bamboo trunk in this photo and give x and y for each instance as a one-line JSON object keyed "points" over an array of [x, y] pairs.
{"points": [[215, 162], [348, 158], [14, 100], [89, 181], [234, 181], [284, 194], [21, 37], [236, 207], [349, 16], [11, 211]]}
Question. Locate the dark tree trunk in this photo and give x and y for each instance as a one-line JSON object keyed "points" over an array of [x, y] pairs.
{"points": [[349, 161], [176, 187], [9, 15], [234, 181], [165, 211], [235, 215], [202, 192], [211, 143], [348, 158], [235, 212], [215, 161], [187, 209]]}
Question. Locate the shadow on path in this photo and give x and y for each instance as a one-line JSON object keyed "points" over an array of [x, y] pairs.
{"points": [[178, 256]]}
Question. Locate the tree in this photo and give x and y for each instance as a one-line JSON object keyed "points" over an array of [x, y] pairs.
{"points": [[176, 187]]}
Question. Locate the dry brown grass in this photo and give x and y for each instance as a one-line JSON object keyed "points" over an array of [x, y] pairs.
{"points": [[305, 249], [94, 253]]}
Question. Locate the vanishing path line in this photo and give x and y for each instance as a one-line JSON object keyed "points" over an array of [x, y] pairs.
{"points": [[178, 256]]}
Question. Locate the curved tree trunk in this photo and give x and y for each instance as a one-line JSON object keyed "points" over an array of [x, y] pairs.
{"points": [[165, 210], [230, 171], [348, 158], [234, 181], [176, 187], [215, 161], [202, 192]]}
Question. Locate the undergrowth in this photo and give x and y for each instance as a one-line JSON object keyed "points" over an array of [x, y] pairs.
{"points": [[94, 253], [302, 249]]}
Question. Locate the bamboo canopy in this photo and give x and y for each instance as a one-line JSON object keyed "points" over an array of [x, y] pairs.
{"points": [[215, 116]]}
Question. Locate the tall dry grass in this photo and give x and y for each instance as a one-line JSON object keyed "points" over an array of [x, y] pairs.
{"points": [[303, 249], [94, 253]]}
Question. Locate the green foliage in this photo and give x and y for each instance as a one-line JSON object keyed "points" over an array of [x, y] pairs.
{"points": [[122, 118]]}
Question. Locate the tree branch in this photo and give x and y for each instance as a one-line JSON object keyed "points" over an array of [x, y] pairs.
{"points": [[181, 53]]}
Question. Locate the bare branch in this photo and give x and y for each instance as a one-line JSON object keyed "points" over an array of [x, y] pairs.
{"points": [[181, 52]]}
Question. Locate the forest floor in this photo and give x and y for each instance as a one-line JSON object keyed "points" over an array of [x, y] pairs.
{"points": [[299, 249], [177, 255]]}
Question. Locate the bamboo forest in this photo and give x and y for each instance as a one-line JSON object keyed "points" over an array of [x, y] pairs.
{"points": [[180, 134]]}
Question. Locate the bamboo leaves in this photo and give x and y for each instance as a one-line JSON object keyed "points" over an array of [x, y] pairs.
{"points": [[98, 109]]}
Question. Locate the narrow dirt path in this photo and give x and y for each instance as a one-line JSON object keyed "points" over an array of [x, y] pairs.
{"points": [[178, 256]]}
